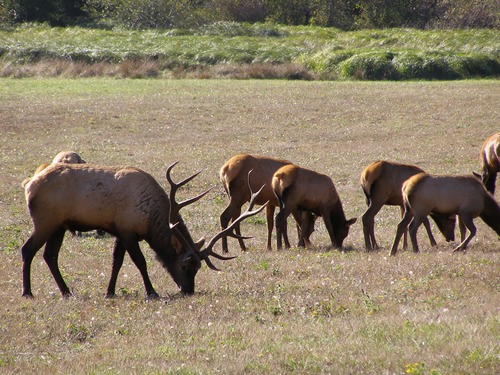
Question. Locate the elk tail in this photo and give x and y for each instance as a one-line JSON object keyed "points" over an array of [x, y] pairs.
{"points": [[369, 176]]}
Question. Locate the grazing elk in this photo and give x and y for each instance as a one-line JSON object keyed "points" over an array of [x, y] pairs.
{"points": [[68, 157], [464, 196], [381, 182], [234, 177], [125, 202], [490, 161], [307, 190]]}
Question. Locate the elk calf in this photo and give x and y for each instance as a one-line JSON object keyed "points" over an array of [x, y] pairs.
{"points": [[304, 189], [235, 179], [126, 202], [464, 196], [381, 182], [490, 161]]}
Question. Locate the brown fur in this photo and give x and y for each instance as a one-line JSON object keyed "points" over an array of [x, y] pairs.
{"points": [[68, 157], [490, 161], [464, 196], [125, 202], [40, 168], [307, 190], [381, 182], [234, 178]]}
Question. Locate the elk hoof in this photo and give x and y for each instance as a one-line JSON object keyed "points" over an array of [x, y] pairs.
{"points": [[152, 296]]}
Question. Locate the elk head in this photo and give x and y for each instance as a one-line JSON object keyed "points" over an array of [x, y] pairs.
{"points": [[188, 264]]}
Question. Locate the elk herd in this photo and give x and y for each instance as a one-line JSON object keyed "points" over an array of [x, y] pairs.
{"points": [[129, 204]]}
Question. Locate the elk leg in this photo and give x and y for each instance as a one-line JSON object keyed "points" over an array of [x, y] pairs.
{"points": [[303, 223], [281, 228], [402, 226], [51, 255], [28, 251], [427, 226], [329, 227], [118, 255], [405, 232], [463, 229], [227, 215], [133, 249], [368, 220], [468, 222], [413, 229], [301, 220], [270, 225]]}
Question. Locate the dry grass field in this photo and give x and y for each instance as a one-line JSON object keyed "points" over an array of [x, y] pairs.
{"points": [[297, 311]]}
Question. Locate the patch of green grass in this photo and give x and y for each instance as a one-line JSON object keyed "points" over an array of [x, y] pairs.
{"points": [[329, 53]]}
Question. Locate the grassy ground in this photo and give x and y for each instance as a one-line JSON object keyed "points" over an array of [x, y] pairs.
{"points": [[296, 311]]}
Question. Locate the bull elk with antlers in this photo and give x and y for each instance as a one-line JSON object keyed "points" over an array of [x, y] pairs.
{"points": [[129, 204], [234, 178]]}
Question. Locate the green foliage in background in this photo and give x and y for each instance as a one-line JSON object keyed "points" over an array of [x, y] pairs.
{"points": [[328, 53], [343, 14]]}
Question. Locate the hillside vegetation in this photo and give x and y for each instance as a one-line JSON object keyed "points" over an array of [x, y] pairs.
{"points": [[241, 50]]}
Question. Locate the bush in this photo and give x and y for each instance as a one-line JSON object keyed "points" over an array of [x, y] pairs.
{"points": [[369, 66]]}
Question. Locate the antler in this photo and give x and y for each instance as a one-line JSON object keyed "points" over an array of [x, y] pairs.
{"points": [[175, 219], [208, 251], [175, 207]]}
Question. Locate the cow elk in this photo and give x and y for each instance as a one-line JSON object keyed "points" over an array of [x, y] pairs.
{"points": [[307, 190], [129, 204], [381, 182], [464, 196], [68, 157], [234, 176], [490, 161]]}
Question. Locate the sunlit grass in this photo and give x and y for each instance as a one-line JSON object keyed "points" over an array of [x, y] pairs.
{"points": [[315, 311], [328, 53]]}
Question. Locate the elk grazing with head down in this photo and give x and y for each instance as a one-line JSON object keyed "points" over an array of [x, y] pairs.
{"points": [[307, 190], [68, 157], [464, 196], [234, 177], [381, 182], [490, 161], [129, 204]]}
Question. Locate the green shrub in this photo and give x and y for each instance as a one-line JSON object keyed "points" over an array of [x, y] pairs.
{"points": [[468, 66], [369, 66], [325, 61]]}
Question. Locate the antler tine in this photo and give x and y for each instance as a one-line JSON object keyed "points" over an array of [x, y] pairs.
{"points": [[229, 230], [175, 207]]}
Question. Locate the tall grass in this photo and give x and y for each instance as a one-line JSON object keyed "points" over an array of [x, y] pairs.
{"points": [[326, 53]]}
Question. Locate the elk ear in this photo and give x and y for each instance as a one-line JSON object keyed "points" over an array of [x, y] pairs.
{"points": [[199, 244], [177, 245], [350, 222]]}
